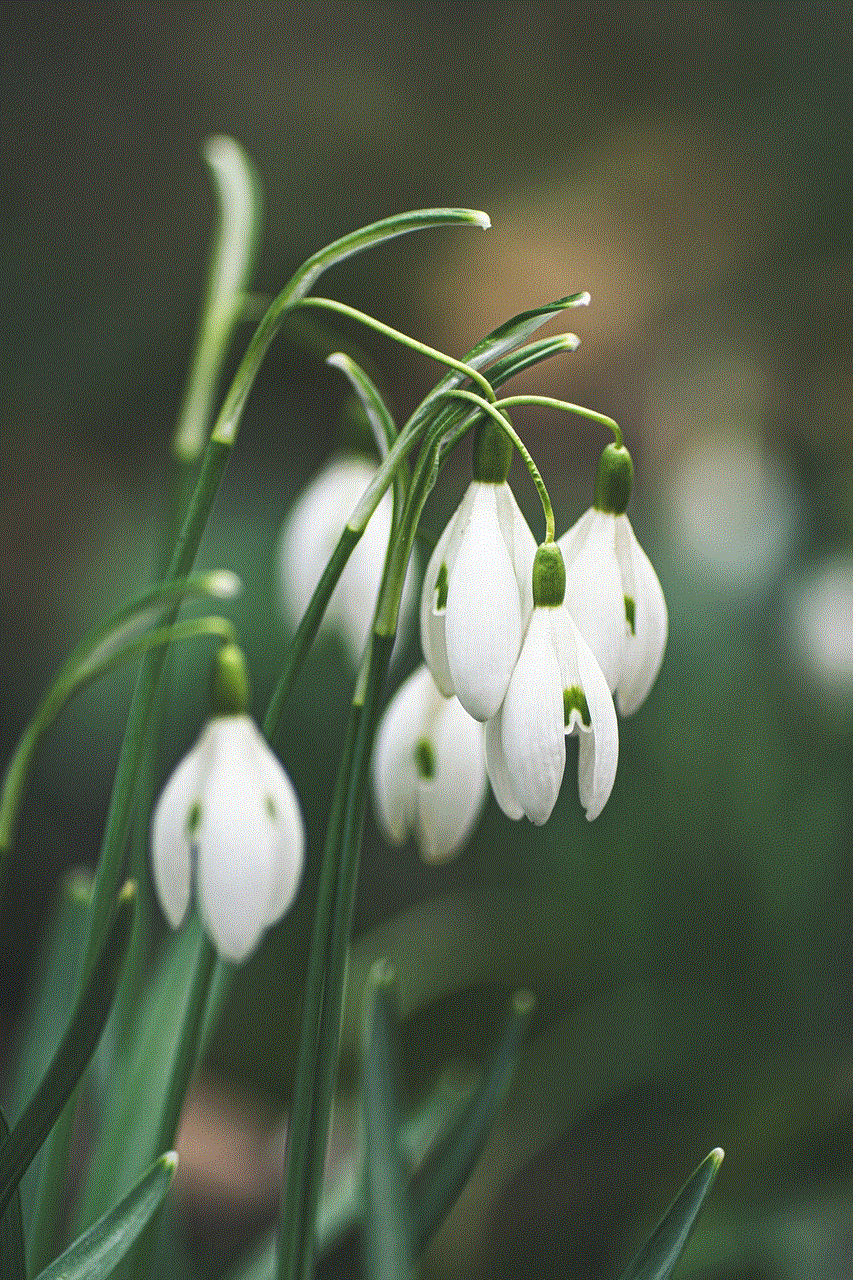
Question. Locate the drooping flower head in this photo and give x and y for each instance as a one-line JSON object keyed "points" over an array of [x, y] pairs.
{"points": [[612, 591], [477, 595], [310, 535], [429, 770], [557, 688], [228, 826]]}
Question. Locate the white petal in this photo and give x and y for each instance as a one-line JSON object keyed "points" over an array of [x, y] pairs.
{"points": [[238, 842], [520, 544], [483, 623], [644, 649], [280, 796], [598, 749], [433, 617], [395, 776], [171, 853], [594, 595], [532, 723], [497, 769], [310, 535], [450, 802]]}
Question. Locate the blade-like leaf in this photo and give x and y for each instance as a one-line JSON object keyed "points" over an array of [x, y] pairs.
{"points": [[76, 1048], [108, 645], [48, 1000], [448, 1169], [341, 1206], [398, 225], [129, 1128], [387, 1210], [658, 1256], [13, 1255], [96, 1253]]}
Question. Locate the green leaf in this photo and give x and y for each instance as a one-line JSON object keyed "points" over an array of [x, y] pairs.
{"points": [[658, 1256], [50, 996], [76, 1048], [96, 1253], [108, 645], [377, 232], [13, 1256], [387, 1210], [341, 1207], [129, 1129], [448, 1169]]}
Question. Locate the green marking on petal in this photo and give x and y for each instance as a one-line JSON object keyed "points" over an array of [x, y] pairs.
{"points": [[269, 805], [631, 614], [193, 819], [574, 699], [441, 588], [425, 759]]}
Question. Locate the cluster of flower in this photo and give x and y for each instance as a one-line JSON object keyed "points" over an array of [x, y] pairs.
{"points": [[532, 642], [524, 645]]}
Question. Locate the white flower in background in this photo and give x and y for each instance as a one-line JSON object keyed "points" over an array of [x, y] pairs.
{"points": [[612, 592], [557, 688], [429, 771], [228, 827], [477, 595], [818, 631], [310, 535]]}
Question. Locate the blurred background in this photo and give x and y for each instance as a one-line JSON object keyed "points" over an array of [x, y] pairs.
{"points": [[689, 164]]}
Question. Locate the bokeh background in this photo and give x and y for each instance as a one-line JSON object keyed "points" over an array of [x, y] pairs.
{"points": [[689, 164]]}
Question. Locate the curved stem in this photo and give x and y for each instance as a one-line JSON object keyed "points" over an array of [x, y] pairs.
{"points": [[566, 406], [507, 427], [341, 308]]}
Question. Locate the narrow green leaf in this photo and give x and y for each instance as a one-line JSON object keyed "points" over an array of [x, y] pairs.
{"points": [[378, 413], [448, 1169], [71, 1058], [377, 232], [658, 1256], [129, 1130], [341, 1207], [52, 993], [13, 1254], [108, 645], [238, 190], [96, 1253], [387, 1211]]}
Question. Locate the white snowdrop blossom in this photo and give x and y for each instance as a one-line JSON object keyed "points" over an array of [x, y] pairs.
{"points": [[429, 770], [228, 827], [612, 592], [557, 688], [310, 535], [477, 598]]}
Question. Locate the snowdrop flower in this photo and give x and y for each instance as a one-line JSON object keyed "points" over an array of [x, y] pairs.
{"points": [[477, 595], [228, 826], [310, 535], [557, 688], [429, 771], [612, 591]]}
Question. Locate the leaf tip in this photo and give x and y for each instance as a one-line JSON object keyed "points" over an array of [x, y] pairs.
{"points": [[482, 220], [169, 1162]]}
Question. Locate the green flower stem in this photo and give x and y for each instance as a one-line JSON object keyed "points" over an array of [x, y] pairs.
{"points": [[321, 1019], [566, 406], [507, 427], [341, 308]]}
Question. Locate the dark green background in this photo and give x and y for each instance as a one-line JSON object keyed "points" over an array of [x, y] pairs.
{"points": [[689, 164]]}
